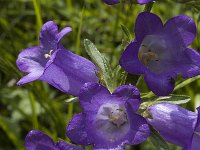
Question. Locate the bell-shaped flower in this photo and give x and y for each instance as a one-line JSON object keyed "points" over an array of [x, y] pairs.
{"points": [[50, 62], [37, 140], [108, 121], [112, 2], [176, 125], [160, 52]]}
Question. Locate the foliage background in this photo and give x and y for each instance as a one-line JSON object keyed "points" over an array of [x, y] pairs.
{"points": [[40, 106]]}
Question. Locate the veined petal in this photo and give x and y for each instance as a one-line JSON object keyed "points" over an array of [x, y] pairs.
{"points": [[76, 130], [190, 65], [129, 59], [129, 93], [181, 25], [48, 36], [63, 32], [30, 77], [160, 84], [68, 72], [30, 60], [144, 1], [174, 123], [139, 128], [92, 96], [36, 140], [147, 24]]}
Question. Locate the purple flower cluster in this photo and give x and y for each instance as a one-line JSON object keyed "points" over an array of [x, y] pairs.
{"points": [[111, 120]]}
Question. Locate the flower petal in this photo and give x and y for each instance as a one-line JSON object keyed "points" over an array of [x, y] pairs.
{"points": [[48, 36], [190, 63], [128, 93], [30, 60], [174, 123], [92, 96], [139, 128], [68, 72], [143, 1], [129, 59], [63, 32], [196, 136], [181, 25], [76, 130], [147, 24], [111, 2], [38, 140], [65, 146], [160, 84], [30, 77]]}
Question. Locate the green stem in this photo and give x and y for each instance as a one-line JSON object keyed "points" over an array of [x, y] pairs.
{"points": [[34, 115], [186, 82], [69, 5], [79, 32], [148, 7], [138, 81], [70, 113], [38, 14]]}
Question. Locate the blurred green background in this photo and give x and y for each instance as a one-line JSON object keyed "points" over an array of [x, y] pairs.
{"points": [[40, 106]]}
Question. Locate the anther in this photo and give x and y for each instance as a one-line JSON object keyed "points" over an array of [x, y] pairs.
{"points": [[49, 54]]}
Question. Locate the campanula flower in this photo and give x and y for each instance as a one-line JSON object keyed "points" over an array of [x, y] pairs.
{"points": [[176, 124], [160, 52], [37, 140], [112, 2], [50, 62], [108, 121]]}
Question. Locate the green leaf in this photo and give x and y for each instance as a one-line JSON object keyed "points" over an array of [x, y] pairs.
{"points": [[186, 82], [158, 141], [175, 99], [126, 32], [105, 72]]}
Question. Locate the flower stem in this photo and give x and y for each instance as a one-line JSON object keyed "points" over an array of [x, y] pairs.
{"points": [[33, 107], [38, 14], [69, 114], [78, 51], [148, 7]]}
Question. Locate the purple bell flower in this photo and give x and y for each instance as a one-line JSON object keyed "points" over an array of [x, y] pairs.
{"points": [[176, 125], [144, 1], [160, 52], [50, 62], [112, 2], [37, 140], [108, 121]]}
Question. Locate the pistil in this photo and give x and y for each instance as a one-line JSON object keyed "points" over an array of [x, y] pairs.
{"points": [[118, 117]]}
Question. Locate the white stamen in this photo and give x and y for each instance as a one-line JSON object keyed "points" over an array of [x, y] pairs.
{"points": [[49, 54]]}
